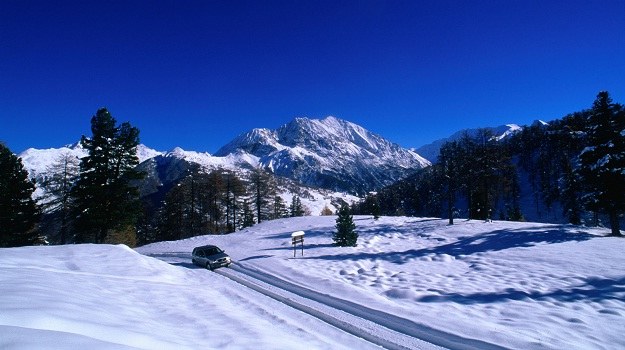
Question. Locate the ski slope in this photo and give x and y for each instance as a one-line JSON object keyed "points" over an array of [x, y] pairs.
{"points": [[411, 283]]}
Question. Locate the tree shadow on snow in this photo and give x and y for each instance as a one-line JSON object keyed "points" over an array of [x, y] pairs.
{"points": [[593, 289], [486, 242], [256, 257]]}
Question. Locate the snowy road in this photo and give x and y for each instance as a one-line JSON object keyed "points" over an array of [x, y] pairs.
{"points": [[378, 327], [386, 330]]}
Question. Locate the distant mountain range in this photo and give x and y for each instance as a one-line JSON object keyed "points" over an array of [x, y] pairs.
{"points": [[330, 154], [431, 150]]}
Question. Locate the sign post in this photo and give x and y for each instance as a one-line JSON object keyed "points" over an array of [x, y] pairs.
{"points": [[297, 237]]}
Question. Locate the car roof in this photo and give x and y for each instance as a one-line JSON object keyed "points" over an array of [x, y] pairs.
{"points": [[206, 247]]}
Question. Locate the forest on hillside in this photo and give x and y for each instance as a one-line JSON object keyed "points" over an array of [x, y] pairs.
{"points": [[567, 170]]}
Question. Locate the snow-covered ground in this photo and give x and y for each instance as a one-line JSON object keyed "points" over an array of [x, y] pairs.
{"points": [[471, 285]]}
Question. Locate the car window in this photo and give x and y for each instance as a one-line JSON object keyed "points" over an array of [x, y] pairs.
{"points": [[200, 253]]}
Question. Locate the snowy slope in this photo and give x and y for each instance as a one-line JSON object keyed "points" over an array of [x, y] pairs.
{"points": [[330, 153], [471, 285], [110, 297]]}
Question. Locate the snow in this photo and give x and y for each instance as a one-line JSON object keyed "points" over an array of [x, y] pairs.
{"points": [[38, 161], [473, 284]]}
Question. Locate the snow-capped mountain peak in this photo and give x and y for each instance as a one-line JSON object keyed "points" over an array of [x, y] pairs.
{"points": [[330, 153]]}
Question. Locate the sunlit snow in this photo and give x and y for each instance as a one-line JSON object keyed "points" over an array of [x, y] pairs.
{"points": [[500, 284]]}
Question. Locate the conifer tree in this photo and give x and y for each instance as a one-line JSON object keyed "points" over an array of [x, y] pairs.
{"points": [[18, 212], [345, 235], [105, 199], [279, 208], [450, 163], [248, 215], [296, 208], [235, 189], [58, 201], [602, 163], [263, 189]]}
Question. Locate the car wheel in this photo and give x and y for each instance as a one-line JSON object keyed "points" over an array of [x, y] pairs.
{"points": [[208, 266]]}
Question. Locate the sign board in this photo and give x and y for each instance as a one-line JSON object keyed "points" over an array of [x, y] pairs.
{"points": [[297, 237]]}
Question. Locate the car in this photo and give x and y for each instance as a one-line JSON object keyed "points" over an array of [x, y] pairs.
{"points": [[210, 257]]}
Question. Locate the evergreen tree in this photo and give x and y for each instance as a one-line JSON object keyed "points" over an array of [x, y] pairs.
{"points": [[57, 200], [296, 208], [279, 208], [105, 201], [235, 189], [449, 161], [173, 220], [345, 235], [18, 212], [263, 189], [248, 215], [602, 163]]}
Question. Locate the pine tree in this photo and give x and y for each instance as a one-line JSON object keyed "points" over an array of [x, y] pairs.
{"points": [[296, 208], [234, 190], [105, 199], [602, 163], [18, 212], [279, 208], [345, 235], [263, 189], [449, 161], [58, 201], [248, 215]]}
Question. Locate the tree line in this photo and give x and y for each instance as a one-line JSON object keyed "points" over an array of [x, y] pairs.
{"points": [[217, 202], [96, 199], [571, 168]]}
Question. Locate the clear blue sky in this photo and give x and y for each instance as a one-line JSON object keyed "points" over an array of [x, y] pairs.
{"points": [[195, 74]]}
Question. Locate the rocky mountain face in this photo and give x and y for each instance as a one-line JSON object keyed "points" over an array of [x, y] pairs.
{"points": [[329, 153]]}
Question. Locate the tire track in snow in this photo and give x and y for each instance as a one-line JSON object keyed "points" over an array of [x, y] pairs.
{"points": [[343, 323], [426, 335]]}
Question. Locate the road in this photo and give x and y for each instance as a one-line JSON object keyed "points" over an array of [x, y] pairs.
{"points": [[378, 327]]}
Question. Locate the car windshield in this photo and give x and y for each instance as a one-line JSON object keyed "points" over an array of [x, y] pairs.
{"points": [[213, 251]]}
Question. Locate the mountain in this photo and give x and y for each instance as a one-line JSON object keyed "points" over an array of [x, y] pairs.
{"points": [[166, 169], [38, 161], [329, 153], [431, 150]]}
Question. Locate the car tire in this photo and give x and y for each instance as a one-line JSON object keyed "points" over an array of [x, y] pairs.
{"points": [[208, 266]]}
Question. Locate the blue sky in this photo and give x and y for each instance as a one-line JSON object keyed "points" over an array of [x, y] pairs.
{"points": [[195, 74]]}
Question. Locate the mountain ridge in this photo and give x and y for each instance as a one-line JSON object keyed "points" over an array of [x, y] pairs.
{"points": [[331, 153]]}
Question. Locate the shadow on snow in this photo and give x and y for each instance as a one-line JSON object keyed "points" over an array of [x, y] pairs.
{"points": [[487, 242], [593, 289]]}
